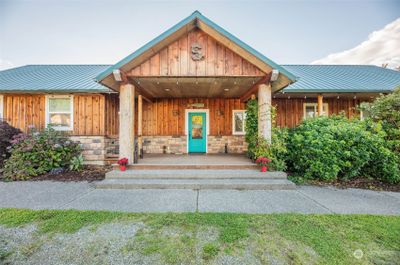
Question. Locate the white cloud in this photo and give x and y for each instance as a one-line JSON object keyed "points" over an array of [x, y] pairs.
{"points": [[382, 46], [5, 64]]}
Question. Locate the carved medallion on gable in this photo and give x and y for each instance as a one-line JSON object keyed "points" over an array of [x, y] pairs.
{"points": [[197, 52]]}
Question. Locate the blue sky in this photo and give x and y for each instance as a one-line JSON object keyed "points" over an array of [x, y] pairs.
{"points": [[91, 32]]}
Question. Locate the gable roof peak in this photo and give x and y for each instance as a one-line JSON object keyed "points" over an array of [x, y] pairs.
{"points": [[197, 20], [196, 12]]}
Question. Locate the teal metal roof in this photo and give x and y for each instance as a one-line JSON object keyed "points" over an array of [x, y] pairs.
{"points": [[184, 22], [52, 78], [310, 79], [342, 79]]}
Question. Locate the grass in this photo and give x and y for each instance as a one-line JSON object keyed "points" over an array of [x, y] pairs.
{"points": [[288, 238]]}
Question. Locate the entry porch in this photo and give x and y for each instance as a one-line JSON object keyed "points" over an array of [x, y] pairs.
{"points": [[194, 161], [198, 121]]}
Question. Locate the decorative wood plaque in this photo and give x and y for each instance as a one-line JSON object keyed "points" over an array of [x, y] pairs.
{"points": [[196, 105], [197, 53]]}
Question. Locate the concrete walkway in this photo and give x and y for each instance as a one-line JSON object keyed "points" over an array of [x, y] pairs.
{"points": [[305, 199]]}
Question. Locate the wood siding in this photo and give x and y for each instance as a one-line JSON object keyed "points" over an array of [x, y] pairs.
{"points": [[89, 115], [167, 116], [112, 116], [98, 114], [176, 60], [24, 111], [290, 111]]}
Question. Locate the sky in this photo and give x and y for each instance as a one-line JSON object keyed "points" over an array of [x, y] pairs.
{"points": [[288, 32]]}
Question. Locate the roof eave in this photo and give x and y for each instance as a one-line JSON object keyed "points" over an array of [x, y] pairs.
{"points": [[55, 91], [335, 91]]}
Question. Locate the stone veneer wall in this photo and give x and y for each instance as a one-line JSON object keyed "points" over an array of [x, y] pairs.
{"points": [[112, 146], [164, 144], [236, 144], [94, 148], [177, 144]]}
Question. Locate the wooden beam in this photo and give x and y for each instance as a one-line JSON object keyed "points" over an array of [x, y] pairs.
{"points": [[320, 104], [140, 125], [127, 122], [254, 88]]}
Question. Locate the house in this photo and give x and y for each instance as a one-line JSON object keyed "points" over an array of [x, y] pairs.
{"points": [[183, 92]]}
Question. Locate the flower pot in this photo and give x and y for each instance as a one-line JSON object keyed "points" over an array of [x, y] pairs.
{"points": [[122, 168], [263, 168]]}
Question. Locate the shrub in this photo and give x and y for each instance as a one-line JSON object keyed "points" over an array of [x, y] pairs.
{"points": [[328, 148], [276, 151], [6, 134], [39, 152], [386, 110], [76, 163], [259, 147], [251, 126]]}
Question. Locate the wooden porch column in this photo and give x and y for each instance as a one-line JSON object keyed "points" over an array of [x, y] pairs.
{"points": [[264, 111], [320, 104], [140, 126], [127, 122]]}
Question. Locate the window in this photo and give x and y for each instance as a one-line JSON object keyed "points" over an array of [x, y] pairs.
{"points": [[238, 122], [311, 110], [59, 112], [1, 106]]}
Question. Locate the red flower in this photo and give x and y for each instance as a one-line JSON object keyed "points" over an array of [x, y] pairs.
{"points": [[123, 161], [263, 161]]}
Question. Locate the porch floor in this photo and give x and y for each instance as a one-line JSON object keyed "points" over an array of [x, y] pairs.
{"points": [[195, 159]]}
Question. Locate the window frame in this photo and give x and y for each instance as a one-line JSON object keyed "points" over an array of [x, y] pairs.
{"points": [[71, 112], [234, 132], [1, 107], [315, 105]]}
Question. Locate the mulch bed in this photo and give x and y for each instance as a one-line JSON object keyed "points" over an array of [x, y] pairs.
{"points": [[89, 173], [359, 183]]}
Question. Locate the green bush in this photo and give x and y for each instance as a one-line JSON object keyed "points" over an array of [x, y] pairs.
{"points": [[328, 148], [251, 126], [7, 132], [39, 152], [276, 151], [258, 147], [386, 110]]}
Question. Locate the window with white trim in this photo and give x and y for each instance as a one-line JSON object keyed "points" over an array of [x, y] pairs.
{"points": [[238, 122], [59, 112], [311, 110], [1, 107]]}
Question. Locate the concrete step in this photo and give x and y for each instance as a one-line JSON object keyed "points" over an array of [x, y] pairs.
{"points": [[195, 174], [237, 184], [190, 166]]}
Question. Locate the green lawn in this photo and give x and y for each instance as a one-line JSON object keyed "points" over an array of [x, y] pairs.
{"points": [[190, 238]]}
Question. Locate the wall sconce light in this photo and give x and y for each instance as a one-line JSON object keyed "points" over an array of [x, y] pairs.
{"points": [[220, 112], [175, 112]]}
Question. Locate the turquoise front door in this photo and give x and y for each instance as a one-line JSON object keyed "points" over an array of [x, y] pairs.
{"points": [[197, 132]]}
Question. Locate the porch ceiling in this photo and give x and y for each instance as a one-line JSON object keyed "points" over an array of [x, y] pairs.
{"points": [[196, 87]]}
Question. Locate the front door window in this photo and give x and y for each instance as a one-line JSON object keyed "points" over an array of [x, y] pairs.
{"points": [[197, 127], [197, 132]]}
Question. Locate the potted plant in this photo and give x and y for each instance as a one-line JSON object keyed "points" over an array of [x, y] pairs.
{"points": [[263, 162], [122, 163]]}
